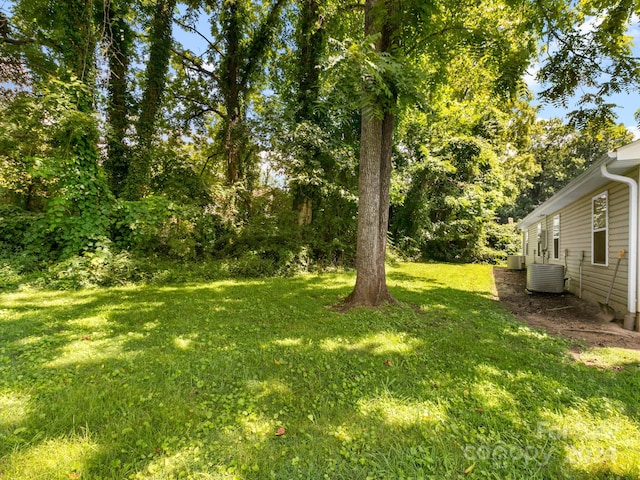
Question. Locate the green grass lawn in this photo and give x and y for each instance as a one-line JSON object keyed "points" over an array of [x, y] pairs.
{"points": [[197, 381]]}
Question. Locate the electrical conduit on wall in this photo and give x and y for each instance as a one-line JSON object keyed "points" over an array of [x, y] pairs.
{"points": [[632, 294]]}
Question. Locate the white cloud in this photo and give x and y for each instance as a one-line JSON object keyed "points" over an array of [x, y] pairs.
{"points": [[590, 25], [635, 130], [530, 76]]}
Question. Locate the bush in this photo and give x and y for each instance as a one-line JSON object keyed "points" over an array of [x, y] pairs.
{"points": [[159, 227], [503, 238], [154, 225], [15, 225], [252, 265], [100, 266], [461, 241]]}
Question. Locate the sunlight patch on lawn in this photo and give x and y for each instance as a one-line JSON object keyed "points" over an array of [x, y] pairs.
{"points": [[256, 427], [494, 397], [402, 413], [526, 332], [94, 350], [378, 343], [186, 463], [609, 357], [45, 298], [95, 322], [56, 458], [185, 342], [261, 389], [148, 326], [288, 342], [13, 409], [31, 340], [469, 278], [605, 443]]}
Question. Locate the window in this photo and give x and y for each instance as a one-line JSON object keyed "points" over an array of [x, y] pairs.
{"points": [[600, 229], [556, 236], [526, 242], [539, 239]]}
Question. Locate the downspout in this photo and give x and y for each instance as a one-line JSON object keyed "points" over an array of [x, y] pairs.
{"points": [[632, 286]]}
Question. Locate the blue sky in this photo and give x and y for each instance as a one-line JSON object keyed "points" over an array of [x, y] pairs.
{"points": [[626, 106], [627, 103]]}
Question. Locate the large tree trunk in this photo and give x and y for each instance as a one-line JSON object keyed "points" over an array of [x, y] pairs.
{"points": [[241, 62], [139, 176], [119, 40], [374, 183], [310, 40], [231, 89], [373, 207]]}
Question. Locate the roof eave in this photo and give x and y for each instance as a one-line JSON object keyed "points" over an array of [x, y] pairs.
{"points": [[621, 161]]}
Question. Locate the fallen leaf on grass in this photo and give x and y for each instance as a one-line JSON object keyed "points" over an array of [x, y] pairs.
{"points": [[74, 475], [86, 337], [388, 363], [281, 431], [469, 469]]}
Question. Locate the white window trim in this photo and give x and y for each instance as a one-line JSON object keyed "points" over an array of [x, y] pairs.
{"points": [[555, 255], [605, 229], [526, 242], [539, 242]]}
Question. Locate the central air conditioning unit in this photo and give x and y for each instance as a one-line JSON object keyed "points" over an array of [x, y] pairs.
{"points": [[515, 262], [545, 278]]}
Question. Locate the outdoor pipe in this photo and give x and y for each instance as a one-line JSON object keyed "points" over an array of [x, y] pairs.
{"points": [[633, 240]]}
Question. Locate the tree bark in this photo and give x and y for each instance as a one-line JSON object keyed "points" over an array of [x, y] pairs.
{"points": [[119, 46], [374, 180], [139, 175], [371, 286], [310, 41], [240, 63], [230, 88]]}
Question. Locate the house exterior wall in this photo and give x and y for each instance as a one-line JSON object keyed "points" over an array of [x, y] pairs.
{"points": [[576, 237]]}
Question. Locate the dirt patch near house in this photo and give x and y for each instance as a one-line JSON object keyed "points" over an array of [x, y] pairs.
{"points": [[562, 315]]}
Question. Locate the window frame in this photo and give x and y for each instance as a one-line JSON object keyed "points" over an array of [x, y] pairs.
{"points": [[555, 235], [605, 229], [526, 242], [539, 245]]}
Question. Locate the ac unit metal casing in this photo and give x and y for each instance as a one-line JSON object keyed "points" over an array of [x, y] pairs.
{"points": [[545, 278], [515, 262]]}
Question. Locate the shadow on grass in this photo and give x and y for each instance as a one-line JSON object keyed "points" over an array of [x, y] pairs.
{"points": [[197, 379]]}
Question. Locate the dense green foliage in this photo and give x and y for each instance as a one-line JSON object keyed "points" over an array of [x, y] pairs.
{"points": [[196, 381], [561, 152], [203, 131]]}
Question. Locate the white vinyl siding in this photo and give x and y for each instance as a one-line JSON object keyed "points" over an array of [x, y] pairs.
{"points": [[576, 230]]}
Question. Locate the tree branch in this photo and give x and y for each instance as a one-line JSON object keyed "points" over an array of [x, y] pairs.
{"points": [[260, 42], [194, 64], [205, 107], [4, 33], [206, 163], [212, 45]]}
